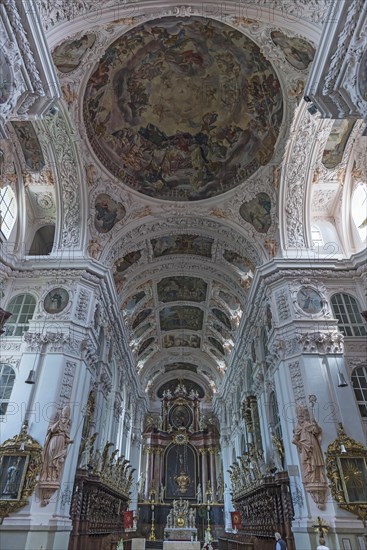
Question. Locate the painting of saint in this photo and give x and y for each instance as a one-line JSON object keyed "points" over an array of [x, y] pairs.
{"points": [[181, 317], [222, 317], [30, 145], [257, 212], [182, 244], [107, 213], [68, 55], [12, 474], [153, 124], [190, 289], [298, 52], [56, 300]]}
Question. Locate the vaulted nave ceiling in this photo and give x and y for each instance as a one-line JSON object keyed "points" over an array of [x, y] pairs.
{"points": [[182, 119]]}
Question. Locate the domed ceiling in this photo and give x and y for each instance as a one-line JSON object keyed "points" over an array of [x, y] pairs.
{"points": [[183, 110]]}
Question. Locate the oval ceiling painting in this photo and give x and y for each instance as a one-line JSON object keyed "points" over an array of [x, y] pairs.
{"points": [[183, 110]]}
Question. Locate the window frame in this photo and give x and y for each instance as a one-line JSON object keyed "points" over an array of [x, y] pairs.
{"points": [[12, 325], [8, 211], [4, 388], [356, 379], [343, 314]]}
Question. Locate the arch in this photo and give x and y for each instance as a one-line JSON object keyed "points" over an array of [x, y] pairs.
{"points": [[347, 311], [22, 308], [7, 378]]}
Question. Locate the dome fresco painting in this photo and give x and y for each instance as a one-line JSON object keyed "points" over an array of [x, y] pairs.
{"points": [[183, 110]]}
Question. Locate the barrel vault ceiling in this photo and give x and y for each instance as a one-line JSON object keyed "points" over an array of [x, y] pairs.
{"points": [[182, 119]]}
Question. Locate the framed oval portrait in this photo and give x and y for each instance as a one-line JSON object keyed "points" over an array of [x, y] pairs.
{"points": [[56, 300]]}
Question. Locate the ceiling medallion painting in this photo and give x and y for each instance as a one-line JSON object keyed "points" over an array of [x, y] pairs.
{"points": [[183, 110]]}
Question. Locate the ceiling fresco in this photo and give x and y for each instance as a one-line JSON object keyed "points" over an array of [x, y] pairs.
{"points": [[108, 213], [222, 317], [68, 56], [242, 263], [142, 315], [183, 109], [190, 289], [181, 341], [298, 52], [257, 212], [181, 317], [182, 244], [30, 145], [181, 366]]}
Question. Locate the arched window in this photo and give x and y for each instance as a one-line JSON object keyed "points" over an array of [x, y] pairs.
{"points": [[359, 382], [275, 417], [22, 308], [7, 377], [346, 310], [8, 210]]}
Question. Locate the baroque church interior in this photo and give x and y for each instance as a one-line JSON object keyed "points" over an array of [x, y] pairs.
{"points": [[183, 215]]}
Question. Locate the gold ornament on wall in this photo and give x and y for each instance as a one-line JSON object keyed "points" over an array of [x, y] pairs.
{"points": [[20, 464], [346, 468]]}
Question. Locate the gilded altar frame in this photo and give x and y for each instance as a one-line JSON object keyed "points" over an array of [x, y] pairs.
{"points": [[20, 461], [346, 468]]}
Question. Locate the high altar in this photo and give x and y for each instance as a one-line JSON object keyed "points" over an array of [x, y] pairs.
{"points": [[181, 522]]}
